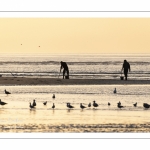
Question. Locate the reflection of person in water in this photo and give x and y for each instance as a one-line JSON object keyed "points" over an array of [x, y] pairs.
{"points": [[65, 69], [126, 67]]}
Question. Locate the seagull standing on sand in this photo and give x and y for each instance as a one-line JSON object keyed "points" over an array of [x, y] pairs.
{"points": [[95, 104], [34, 103], [31, 106], [53, 96], [119, 106], [53, 106], [69, 106], [81, 106], [145, 105], [119, 103], [45, 103], [2, 103], [135, 104], [6, 92], [115, 91], [89, 105]]}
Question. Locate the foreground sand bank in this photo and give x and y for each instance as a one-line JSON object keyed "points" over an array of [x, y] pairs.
{"points": [[56, 81], [75, 128]]}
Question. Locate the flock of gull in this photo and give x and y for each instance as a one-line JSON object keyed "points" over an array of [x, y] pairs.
{"points": [[95, 105]]}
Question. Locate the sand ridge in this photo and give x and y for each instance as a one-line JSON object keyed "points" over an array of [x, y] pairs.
{"points": [[58, 81]]}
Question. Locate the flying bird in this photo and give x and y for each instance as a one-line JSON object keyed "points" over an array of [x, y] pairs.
{"points": [[108, 104]]}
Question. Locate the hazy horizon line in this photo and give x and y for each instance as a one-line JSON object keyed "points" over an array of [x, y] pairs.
{"points": [[40, 53]]}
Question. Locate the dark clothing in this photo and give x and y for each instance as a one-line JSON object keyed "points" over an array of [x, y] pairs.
{"points": [[65, 69], [126, 67], [64, 65], [126, 73]]}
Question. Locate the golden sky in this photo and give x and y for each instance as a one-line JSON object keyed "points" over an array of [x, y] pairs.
{"points": [[74, 35]]}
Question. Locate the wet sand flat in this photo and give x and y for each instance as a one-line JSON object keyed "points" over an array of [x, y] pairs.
{"points": [[58, 81], [61, 120], [76, 128]]}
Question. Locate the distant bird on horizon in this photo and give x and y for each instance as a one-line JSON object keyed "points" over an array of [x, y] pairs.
{"points": [[53, 106], [135, 104], [115, 91], [89, 105], [81, 106], [2, 103], [34, 103], [31, 106], [13, 74], [95, 104], [145, 105], [45, 103], [6, 92], [108, 104], [53, 96]]}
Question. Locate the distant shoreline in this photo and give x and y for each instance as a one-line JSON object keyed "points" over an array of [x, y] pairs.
{"points": [[8, 81]]}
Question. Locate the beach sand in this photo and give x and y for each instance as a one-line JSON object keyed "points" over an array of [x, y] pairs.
{"points": [[75, 128], [58, 81]]}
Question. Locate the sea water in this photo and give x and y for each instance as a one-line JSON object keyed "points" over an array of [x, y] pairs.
{"points": [[101, 66]]}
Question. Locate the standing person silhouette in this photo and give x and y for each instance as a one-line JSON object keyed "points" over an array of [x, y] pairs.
{"points": [[65, 69], [126, 67]]}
